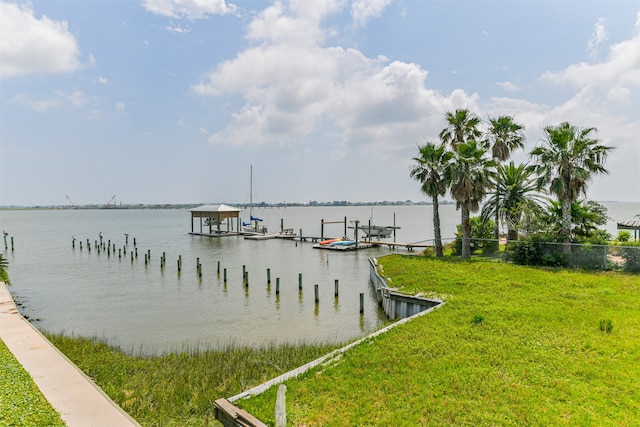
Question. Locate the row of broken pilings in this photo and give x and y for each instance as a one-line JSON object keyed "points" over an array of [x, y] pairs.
{"points": [[102, 245]]}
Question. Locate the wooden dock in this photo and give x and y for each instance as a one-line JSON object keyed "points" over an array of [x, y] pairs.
{"points": [[409, 246]]}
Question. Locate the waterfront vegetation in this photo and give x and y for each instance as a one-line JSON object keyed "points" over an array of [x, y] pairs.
{"points": [[21, 402], [513, 345], [180, 389]]}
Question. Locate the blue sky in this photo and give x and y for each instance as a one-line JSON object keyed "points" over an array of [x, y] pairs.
{"points": [[171, 101]]}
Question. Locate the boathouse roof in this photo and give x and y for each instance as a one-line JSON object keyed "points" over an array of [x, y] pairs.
{"points": [[220, 210], [629, 225]]}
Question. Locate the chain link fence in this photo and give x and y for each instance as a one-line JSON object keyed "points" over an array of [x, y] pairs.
{"points": [[537, 252]]}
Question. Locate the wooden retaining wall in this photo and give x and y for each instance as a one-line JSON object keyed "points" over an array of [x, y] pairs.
{"points": [[395, 304]]}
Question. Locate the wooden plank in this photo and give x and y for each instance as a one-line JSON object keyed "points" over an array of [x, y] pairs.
{"points": [[232, 416]]}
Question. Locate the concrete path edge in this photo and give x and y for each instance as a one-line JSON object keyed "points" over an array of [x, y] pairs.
{"points": [[80, 402]]}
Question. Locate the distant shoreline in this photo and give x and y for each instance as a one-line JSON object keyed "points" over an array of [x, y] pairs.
{"points": [[242, 205]]}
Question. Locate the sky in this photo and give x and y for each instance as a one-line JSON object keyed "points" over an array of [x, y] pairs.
{"points": [[173, 101]]}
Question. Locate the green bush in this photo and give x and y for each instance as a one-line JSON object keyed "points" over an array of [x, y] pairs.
{"points": [[481, 237], [536, 250], [623, 236], [4, 266], [630, 252], [589, 257]]}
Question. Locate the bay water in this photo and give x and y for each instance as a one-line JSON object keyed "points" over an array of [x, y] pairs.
{"points": [[153, 309]]}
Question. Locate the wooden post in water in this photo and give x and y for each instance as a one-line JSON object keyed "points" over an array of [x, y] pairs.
{"points": [[268, 275], [218, 268], [131, 257], [149, 254], [315, 290], [119, 253], [361, 302], [335, 291], [145, 259], [246, 279], [277, 286], [136, 252], [345, 226], [322, 229], [300, 281], [281, 406], [73, 242], [225, 275]]}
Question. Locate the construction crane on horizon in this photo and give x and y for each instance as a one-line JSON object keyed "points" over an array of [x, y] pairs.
{"points": [[73, 204], [106, 205]]}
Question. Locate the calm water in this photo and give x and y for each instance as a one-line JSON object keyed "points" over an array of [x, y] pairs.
{"points": [[149, 309]]}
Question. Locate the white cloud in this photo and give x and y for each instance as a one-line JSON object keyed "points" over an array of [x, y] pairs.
{"points": [[189, 9], [598, 37], [363, 10], [602, 85], [120, 106], [295, 89], [76, 99], [30, 45], [173, 28], [508, 86], [103, 80]]}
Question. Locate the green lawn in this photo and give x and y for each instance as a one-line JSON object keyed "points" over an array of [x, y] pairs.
{"points": [[21, 402], [512, 346]]}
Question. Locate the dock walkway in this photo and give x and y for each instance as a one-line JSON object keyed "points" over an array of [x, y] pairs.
{"points": [[77, 399]]}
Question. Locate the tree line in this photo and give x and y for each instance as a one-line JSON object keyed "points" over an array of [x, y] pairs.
{"points": [[470, 162]]}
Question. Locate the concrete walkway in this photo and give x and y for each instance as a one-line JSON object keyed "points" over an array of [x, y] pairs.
{"points": [[78, 400]]}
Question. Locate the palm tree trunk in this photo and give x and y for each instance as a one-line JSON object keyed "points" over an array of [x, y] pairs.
{"points": [[496, 226], [566, 226], [466, 233], [436, 227]]}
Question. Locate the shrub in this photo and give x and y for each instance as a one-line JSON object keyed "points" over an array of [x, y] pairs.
{"points": [[623, 236], [630, 252], [536, 250], [481, 237]]}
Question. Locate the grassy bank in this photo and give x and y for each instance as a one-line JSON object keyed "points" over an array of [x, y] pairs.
{"points": [[512, 346], [179, 389], [21, 402]]}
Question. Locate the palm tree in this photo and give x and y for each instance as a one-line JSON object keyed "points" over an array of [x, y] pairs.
{"points": [[504, 136], [471, 176], [431, 171], [516, 190], [462, 125], [566, 160]]}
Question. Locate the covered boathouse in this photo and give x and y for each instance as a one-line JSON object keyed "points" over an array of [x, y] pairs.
{"points": [[218, 220], [630, 225]]}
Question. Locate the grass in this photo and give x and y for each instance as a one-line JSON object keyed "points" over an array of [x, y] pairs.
{"points": [[21, 402], [512, 346], [180, 389]]}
